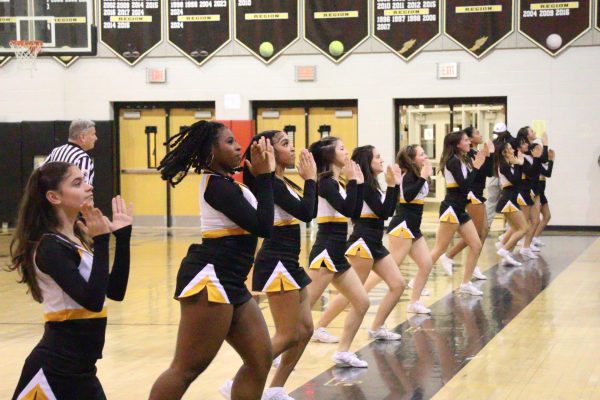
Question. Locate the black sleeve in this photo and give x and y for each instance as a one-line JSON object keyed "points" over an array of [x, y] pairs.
{"points": [[329, 190], [513, 177], [544, 156], [488, 165], [119, 274], [548, 172], [61, 262], [411, 186], [227, 197], [302, 209], [455, 167], [380, 207], [532, 170]]}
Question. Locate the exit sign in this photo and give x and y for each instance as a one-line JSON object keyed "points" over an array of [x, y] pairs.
{"points": [[447, 70]]}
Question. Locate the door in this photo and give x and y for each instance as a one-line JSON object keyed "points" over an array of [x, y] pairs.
{"points": [[141, 137]]}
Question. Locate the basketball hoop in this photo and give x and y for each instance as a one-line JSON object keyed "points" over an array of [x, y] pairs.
{"points": [[26, 52]]}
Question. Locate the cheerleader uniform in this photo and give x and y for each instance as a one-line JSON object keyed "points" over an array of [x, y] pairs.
{"points": [[334, 207], [510, 197], [276, 266], [74, 283], [459, 180], [545, 172], [231, 219], [475, 195], [366, 239], [409, 211]]}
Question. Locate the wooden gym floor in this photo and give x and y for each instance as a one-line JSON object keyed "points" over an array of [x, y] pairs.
{"points": [[533, 335]]}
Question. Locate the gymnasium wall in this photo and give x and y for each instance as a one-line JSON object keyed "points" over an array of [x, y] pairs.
{"points": [[564, 91]]}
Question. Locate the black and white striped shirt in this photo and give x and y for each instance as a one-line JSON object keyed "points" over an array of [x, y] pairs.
{"points": [[73, 154]]}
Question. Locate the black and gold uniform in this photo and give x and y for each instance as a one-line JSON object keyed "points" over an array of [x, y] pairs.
{"points": [[475, 195], [231, 219], [546, 172], [366, 239], [276, 266], [511, 199], [459, 182], [335, 206], [409, 211], [74, 282]]}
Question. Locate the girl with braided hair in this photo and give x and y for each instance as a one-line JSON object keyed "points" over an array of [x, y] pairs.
{"points": [[215, 303]]}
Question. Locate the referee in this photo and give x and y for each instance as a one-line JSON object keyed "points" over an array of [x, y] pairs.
{"points": [[82, 138]]}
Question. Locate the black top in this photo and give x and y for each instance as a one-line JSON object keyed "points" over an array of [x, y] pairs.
{"points": [[382, 209], [513, 176], [485, 171], [547, 172], [83, 338], [465, 183]]}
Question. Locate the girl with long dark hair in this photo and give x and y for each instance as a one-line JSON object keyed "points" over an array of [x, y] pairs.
{"points": [[476, 207], [277, 271], [365, 250], [214, 301], [460, 170], [64, 263]]}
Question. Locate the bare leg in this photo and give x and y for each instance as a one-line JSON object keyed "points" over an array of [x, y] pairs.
{"points": [[420, 254], [479, 217], [351, 287], [471, 237], [387, 269], [249, 337], [519, 226], [285, 309], [446, 231], [290, 358], [203, 327], [545, 219]]}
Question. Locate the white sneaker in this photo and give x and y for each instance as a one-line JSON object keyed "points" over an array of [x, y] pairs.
{"points": [[276, 393], [424, 292], [538, 242], [528, 253], [225, 389], [534, 248], [276, 362], [469, 288], [321, 335], [447, 264], [507, 257], [348, 359], [384, 334], [477, 274], [417, 308], [498, 245]]}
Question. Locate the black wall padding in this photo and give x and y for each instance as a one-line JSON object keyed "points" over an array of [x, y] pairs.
{"points": [[21, 142], [10, 171]]}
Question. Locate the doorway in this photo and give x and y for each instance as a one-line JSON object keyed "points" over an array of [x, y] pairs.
{"points": [[427, 121]]}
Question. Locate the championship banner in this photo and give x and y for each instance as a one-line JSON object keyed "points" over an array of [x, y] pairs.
{"points": [[266, 27], [555, 25], [199, 28], [478, 25], [598, 14], [131, 28], [406, 27], [336, 28], [66, 61]]}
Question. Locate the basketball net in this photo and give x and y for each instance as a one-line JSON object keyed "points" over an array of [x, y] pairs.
{"points": [[26, 52]]}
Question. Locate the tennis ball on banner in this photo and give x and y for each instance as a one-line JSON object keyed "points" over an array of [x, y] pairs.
{"points": [[266, 49], [553, 41], [336, 48]]}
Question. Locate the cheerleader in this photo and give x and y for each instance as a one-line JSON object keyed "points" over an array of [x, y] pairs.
{"points": [[65, 264], [460, 171], [404, 230], [509, 167], [365, 250], [476, 207], [533, 156], [546, 172], [276, 269], [214, 301], [328, 264]]}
